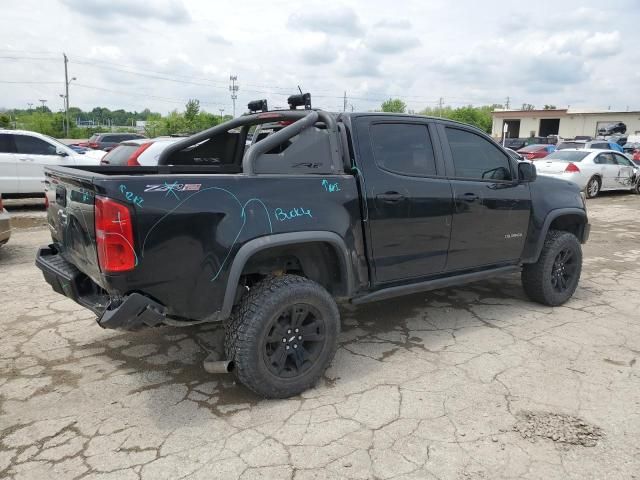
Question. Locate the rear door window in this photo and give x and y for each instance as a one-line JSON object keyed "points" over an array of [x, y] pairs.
{"points": [[403, 148], [33, 146], [6, 143], [476, 158]]}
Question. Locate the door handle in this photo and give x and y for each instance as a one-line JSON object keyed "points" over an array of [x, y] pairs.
{"points": [[469, 197], [390, 197], [24, 159]]}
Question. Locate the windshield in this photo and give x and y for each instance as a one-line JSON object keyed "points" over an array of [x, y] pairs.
{"points": [[567, 156]]}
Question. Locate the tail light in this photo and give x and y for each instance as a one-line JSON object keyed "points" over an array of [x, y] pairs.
{"points": [[46, 201], [92, 145], [133, 159], [114, 236], [572, 168], [1, 206]]}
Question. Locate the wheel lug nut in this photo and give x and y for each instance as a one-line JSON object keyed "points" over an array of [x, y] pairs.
{"points": [[299, 337], [287, 347], [295, 345], [289, 331], [284, 340], [297, 330]]}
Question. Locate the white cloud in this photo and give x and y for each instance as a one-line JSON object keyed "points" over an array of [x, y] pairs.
{"points": [[141, 54]]}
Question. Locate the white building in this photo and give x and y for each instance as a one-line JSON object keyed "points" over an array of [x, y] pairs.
{"points": [[566, 123]]}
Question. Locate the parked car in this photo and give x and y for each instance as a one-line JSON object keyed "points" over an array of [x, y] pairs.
{"points": [[23, 156], [636, 157], [515, 143], [358, 206], [618, 127], [5, 224], [631, 147], [137, 152], [593, 170], [535, 151], [107, 141]]}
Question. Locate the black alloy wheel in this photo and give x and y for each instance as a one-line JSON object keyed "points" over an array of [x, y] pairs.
{"points": [[564, 270], [295, 340]]}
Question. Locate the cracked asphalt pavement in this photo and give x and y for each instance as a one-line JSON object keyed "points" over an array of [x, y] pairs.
{"points": [[463, 383]]}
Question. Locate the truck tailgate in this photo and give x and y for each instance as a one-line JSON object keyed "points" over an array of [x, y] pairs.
{"points": [[71, 197]]}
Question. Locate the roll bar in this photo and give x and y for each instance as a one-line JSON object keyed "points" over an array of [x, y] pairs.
{"points": [[301, 119]]}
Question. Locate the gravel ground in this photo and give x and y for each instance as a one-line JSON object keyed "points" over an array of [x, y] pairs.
{"points": [[470, 382]]}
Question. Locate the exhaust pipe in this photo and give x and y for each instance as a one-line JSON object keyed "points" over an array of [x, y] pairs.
{"points": [[211, 364]]}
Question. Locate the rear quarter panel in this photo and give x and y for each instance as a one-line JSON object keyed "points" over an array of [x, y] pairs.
{"points": [[188, 228]]}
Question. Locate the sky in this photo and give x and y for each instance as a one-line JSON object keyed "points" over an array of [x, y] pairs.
{"points": [[158, 54]]}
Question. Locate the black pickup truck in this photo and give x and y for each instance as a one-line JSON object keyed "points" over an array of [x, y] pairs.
{"points": [[320, 207]]}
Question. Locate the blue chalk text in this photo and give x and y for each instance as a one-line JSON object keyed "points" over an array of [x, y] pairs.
{"points": [[282, 216]]}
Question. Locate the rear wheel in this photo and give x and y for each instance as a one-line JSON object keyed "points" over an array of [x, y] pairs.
{"points": [[553, 279], [282, 336], [593, 187]]}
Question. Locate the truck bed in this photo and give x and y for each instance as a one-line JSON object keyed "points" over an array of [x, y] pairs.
{"points": [[188, 225]]}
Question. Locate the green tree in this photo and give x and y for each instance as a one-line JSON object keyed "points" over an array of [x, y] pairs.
{"points": [[191, 110], [549, 107], [5, 121], [479, 117], [394, 105]]}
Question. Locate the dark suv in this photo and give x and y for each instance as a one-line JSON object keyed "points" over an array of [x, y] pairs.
{"points": [[106, 141]]}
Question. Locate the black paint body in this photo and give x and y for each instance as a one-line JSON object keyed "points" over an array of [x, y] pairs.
{"points": [[391, 230]]}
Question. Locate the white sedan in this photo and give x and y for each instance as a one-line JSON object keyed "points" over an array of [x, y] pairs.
{"points": [[23, 156], [593, 170]]}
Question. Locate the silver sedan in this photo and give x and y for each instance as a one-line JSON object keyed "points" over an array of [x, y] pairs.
{"points": [[593, 170]]}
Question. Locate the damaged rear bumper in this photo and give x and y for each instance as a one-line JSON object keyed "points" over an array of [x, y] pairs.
{"points": [[130, 312]]}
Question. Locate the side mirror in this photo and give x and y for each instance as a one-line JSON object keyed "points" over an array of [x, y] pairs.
{"points": [[527, 172], [61, 153]]}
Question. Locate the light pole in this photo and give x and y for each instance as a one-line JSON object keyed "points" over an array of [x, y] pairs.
{"points": [[221, 112], [66, 96], [64, 124], [43, 101]]}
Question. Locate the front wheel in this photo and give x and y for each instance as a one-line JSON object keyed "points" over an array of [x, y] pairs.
{"points": [[593, 187], [553, 279], [282, 336]]}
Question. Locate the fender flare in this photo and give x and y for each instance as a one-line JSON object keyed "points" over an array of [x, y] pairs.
{"points": [[551, 216], [253, 246]]}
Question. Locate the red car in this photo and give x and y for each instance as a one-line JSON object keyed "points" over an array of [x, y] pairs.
{"points": [[636, 156], [533, 152]]}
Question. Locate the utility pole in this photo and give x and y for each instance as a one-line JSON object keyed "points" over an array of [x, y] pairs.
{"points": [[233, 88], [506, 104], [344, 102], [29, 105], [221, 112], [66, 93], [440, 103], [43, 101]]}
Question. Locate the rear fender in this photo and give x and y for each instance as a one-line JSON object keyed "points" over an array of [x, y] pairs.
{"points": [[252, 247]]}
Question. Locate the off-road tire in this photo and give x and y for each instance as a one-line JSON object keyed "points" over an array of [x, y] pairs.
{"points": [[537, 277], [247, 333], [590, 193]]}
